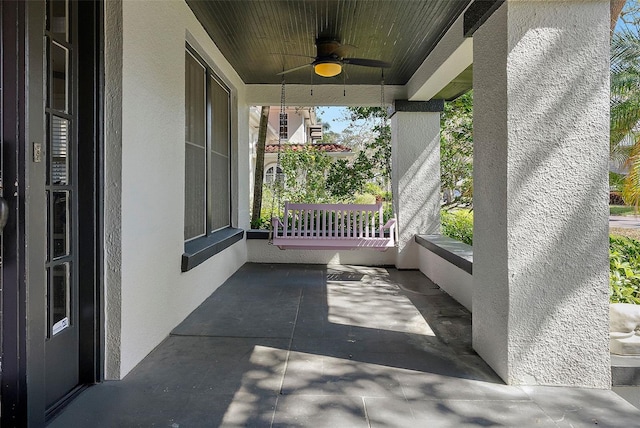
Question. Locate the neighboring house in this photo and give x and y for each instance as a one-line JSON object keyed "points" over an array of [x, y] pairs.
{"points": [[334, 151], [120, 226], [300, 126]]}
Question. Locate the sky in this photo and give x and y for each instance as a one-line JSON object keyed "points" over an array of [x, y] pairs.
{"points": [[631, 4], [336, 117]]}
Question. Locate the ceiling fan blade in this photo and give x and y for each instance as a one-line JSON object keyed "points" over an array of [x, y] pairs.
{"points": [[342, 50], [293, 69], [366, 62]]}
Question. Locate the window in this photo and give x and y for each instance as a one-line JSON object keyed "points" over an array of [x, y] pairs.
{"points": [[273, 172], [284, 126], [207, 151]]}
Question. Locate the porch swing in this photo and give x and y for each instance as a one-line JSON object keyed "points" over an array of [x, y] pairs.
{"points": [[329, 226]]}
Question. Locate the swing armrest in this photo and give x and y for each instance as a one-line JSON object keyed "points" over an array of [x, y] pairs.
{"points": [[391, 224], [393, 231], [275, 222]]}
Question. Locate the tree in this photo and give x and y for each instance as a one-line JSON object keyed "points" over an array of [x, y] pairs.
{"points": [[625, 101], [616, 7], [258, 177], [372, 144], [456, 149], [305, 170], [311, 176]]}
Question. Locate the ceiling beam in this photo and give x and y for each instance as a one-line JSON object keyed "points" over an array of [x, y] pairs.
{"points": [[323, 95], [478, 13], [451, 56]]}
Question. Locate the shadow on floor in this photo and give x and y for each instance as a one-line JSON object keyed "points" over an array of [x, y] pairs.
{"points": [[339, 346]]}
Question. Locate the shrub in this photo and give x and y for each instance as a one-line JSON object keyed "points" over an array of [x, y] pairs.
{"points": [[624, 270], [624, 256], [615, 198], [458, 224]]}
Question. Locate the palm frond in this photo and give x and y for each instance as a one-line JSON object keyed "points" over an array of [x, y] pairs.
{"points": [[631, 186], [625, 86]]}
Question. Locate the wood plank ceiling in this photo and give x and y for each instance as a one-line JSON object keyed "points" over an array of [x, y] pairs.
{"points": [[260, 38]]}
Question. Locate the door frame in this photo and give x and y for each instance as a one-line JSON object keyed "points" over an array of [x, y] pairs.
{"points": [[14, 368], [23, 303]]}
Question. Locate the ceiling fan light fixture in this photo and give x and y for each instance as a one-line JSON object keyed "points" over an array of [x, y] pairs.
{"points": [[327, 69]]}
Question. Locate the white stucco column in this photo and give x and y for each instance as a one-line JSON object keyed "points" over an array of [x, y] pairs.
{"points": [[415, 143], [541, 132]]}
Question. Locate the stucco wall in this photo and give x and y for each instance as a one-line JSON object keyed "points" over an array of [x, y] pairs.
{"points": [[450, 278], [113, 186], [147, 293], [260, 251], [415, 147], [541, 106]]}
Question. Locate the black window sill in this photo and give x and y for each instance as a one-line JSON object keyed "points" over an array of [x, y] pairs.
{"points": [[257, 234], [201, 249]]}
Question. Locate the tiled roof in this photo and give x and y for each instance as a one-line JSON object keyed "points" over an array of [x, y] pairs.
{"points": [[336, 148]]}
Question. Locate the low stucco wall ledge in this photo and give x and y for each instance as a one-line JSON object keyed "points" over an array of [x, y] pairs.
{"points": [[449, 264], [625, 370], [455, 252]]}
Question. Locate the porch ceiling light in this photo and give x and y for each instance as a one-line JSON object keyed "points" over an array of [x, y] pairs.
{"points": [[327, 69]]}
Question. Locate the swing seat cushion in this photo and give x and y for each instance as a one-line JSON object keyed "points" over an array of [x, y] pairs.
{"points": [[333, 227]]}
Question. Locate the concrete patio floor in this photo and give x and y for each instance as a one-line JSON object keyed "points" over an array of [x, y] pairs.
{"points": [[336, 346]]}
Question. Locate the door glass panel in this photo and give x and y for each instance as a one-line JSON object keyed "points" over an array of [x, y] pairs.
{"points": [[59, 298], [48, 204], [59, 77], [219, 192], [60, 223], [59, 161], [195, 102], [220, 118], [195, 191], [59, 22]]}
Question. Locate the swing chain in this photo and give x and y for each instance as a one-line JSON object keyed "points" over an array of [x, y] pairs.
{"points": [[383, 123], [275, 186]]}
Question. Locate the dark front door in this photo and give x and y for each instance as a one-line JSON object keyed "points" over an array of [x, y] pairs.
{"points": [[58, 171], [53, 240]]}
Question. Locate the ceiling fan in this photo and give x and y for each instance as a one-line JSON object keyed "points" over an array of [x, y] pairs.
{"points": [[330, 57]]}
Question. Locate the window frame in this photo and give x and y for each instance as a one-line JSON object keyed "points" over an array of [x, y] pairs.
{"points": [[283, 123], [198, 249], [276, 174], [210, 76]]}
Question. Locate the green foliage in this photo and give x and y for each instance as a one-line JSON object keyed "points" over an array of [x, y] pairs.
{"points": [[367, 113], [312, 177], [456, 150], [364, 198], [329, 137], [260, 223], [269, 208], [625, 108], [621, 210], [305, 173], [349, 177], [458, 224], [624, 270], [616, 181], [624, 255], [373, 162]]}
